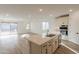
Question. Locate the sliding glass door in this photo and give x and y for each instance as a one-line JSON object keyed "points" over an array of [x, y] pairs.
{"points": [[13, 27], [8, 28], [4, 27]]}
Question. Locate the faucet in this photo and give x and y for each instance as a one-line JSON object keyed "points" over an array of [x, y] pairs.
{"points": [[47, 31]]}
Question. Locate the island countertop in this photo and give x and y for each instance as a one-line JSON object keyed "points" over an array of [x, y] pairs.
{"points": [[38, 39]]}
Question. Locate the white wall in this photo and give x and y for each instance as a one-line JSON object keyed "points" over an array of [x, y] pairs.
{"points": [[74, 27], [36, 25], [22, 26]]}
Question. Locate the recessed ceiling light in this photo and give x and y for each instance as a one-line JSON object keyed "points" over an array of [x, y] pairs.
{"points": [[41, 10], [70, 10], [50, 15], [7, 14]]}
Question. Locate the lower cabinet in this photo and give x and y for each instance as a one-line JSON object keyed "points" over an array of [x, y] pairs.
{"points": [[55, 44], [44, 48], [48, 47], [34, 48]]}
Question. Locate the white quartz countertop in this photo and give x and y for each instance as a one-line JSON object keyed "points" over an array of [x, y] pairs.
{"points": [[38, 39]]}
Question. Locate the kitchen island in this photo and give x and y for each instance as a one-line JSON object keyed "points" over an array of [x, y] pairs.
{"points": [[43, 44]]}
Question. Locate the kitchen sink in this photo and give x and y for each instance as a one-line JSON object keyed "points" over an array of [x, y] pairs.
{"points": [[50, 35]]}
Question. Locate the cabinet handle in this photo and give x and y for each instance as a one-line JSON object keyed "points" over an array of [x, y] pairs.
{"points": [[49, 42], [44, 46], [50, 45], [46, 51]]}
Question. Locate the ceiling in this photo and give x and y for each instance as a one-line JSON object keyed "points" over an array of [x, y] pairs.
{"points": [[33, 11]]}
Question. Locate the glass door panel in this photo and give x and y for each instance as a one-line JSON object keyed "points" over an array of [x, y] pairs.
{"points": [[8, 28], [13, 27], [5, 27]]}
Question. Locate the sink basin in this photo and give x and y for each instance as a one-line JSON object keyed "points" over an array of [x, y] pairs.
{"points": [[50, 35]]}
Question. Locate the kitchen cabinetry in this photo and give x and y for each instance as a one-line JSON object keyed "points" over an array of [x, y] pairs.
{"points": [[49, 46], [44, 48], [54, 44], [39, 45]]}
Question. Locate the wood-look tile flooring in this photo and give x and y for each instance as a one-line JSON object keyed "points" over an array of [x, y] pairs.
{"points": [[15, 44], [63, 50], [71, 45]]}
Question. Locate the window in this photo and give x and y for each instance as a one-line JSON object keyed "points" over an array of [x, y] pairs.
{"points": [[4, 27], [45, 28], [13, 27], [28, 26], [45, 25], [8, 27]]}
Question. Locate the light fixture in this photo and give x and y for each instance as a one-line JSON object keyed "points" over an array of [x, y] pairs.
{"points": [[50, 15], [28, 26], [70, 10], [7, 14], [40, 10]]}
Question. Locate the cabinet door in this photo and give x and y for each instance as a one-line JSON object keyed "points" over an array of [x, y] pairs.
{"points": [[35, 49], [49, 47], [44, 48], [53, 46], [56, 43]]}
